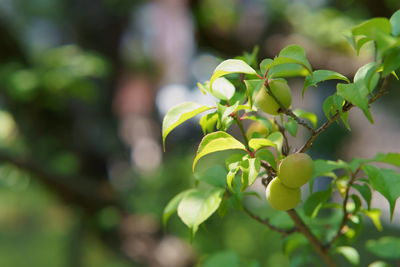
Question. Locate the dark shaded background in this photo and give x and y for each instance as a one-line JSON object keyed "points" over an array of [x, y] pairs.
{"points": [[83, 88]]}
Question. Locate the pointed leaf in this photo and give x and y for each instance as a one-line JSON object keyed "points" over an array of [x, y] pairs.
{"points": [[386, 182], [374, 215], [172, 205], [250, 170], [217, 141], [321, 76], [252, 87], [297, 53], [357, 95], [389, 158], [264, 65], [291, 126], [179, 114], [365, 192], [231, 66], [197, 206], [391, 61]]}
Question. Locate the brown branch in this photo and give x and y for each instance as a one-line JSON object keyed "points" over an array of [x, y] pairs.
{"points": [[267, 223], [302, 228], [346, 107]]}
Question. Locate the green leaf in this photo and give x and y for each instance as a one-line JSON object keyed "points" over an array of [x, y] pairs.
{"points": [[226, 258], [231, 66], [267, 155], [172, 205], [374, 215], [377, 29], [315, 201], [222, 89], [357, 95], [307, 115], [257, 143], [386, 182], [349, 253], [395, 22], [326, 167], [332, 105], [321, 76], [389, 158], [250, 169], [277, 139], [365, 192], [253, 86], [297, 54], [387, 247], [217, 141], [391, 61], [291, 126], [179, 114], [214, 176], [197, 206], [287, 70], [367, 76], [208, 122], [264, 65]]}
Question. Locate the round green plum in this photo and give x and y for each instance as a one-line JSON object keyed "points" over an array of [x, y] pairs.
{"points": [[281, 90], [295, 170], [281, 197]]}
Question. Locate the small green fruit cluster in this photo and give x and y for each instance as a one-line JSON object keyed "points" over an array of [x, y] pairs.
{"points": [[280, 89], [283, 193]]}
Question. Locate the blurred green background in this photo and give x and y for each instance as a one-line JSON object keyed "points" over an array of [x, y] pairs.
{"points": [[84, 85]]}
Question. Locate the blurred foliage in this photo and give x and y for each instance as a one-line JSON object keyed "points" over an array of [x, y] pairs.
{"points": [[59, 67]]}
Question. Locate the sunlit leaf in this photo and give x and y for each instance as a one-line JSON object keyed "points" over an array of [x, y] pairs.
{"points": [[257, 143], [231, 66], [217, 141], [349, 253], [172, 205], [197, 206], [179, 114], [222, 89], [374, 215]]}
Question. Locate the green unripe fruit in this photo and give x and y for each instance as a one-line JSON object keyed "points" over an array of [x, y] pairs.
{"points": [[257, 127], [295, 170], [280, 90], [281, 197]]}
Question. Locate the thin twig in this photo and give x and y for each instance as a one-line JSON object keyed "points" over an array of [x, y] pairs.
{"points": [[347, 106], [266, 222], [242, 131]]}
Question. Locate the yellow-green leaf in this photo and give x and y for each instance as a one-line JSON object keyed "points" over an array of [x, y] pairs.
{"points": [[179, 114], [231, 66], [214, 142]]}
